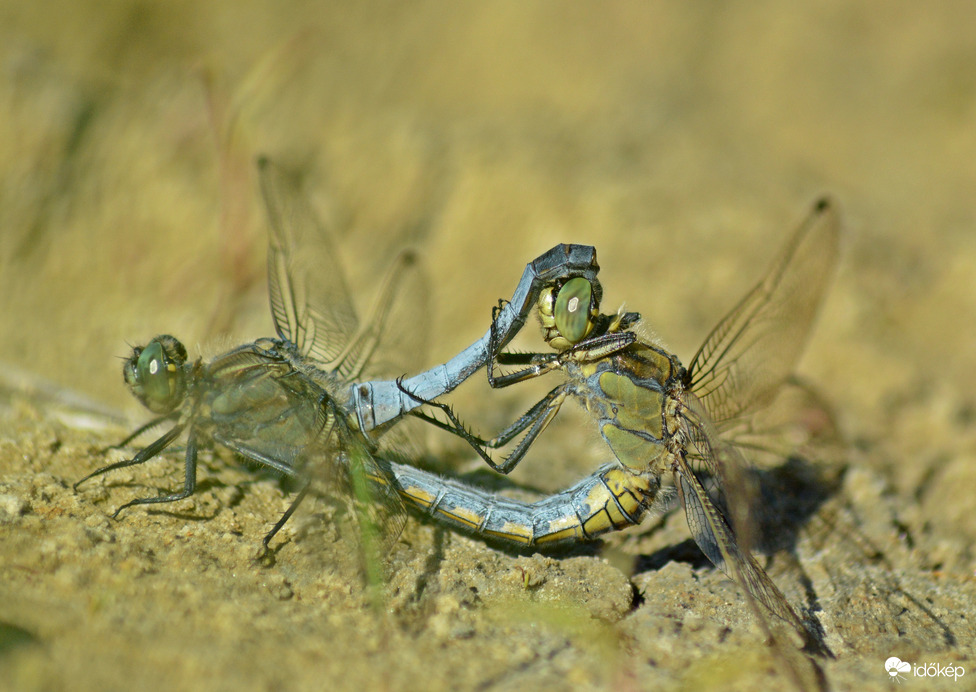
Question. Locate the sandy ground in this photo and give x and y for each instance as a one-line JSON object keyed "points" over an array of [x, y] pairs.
{"points": [[684, 141]]}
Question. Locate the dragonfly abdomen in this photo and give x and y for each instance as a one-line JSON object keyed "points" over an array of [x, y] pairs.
{"points": [[610, 499]]}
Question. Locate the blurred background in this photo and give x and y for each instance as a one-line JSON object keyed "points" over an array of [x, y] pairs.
{"points": [[684, 140]]}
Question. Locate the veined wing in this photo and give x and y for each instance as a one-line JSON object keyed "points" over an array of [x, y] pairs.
{"points": [[310, 302], [380, 512], [392, 341], [749, 354], [730, 551], [266, 411], [709, 527], [270, 413]]}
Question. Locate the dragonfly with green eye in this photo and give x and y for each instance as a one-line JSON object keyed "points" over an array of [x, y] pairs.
{"points": [[303, 404], [662, 421]]}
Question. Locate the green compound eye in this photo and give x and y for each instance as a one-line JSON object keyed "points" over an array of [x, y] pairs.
{"points": [[154, 374], [573, 309]]}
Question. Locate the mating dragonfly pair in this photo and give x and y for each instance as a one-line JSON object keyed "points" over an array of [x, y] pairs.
{"points": [[310, 404]]}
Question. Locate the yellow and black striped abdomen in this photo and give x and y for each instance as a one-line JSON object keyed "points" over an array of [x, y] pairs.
{"points": [[612, 498]]}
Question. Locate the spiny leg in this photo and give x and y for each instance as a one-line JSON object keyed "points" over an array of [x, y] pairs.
{"points": [[534, 421], [189, 481], [602, 345], [539, 363], [537, 418], [137, 432], [142, 457]]}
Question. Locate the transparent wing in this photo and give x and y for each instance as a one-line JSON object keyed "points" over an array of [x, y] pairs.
{"points": [[799, 421], [263, 411], [310, 301], [393, 339], [755, 347], [269, 413], [380, 512], [312, 308], [340, 463], [728, 550], [390, 343]]}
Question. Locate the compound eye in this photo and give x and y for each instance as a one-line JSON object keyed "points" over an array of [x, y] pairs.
{"points": [[154, 374], [158, 380], [573, 310]]}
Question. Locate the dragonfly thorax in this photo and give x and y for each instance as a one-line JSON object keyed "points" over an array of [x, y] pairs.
{"points": [[156, 374]]}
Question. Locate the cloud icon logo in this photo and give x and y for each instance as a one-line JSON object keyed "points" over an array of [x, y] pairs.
{"points": [[895, 666]]}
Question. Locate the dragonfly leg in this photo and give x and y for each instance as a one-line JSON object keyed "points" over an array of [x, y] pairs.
{"points": [[603, 345], [532, 422], [136, 433], [266, 541], [599, 347], [538, 363], [189, 482], [142, 457]]}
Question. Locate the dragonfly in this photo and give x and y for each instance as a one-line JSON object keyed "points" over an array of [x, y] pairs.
{"points": [[670, 428], [302, 403]]}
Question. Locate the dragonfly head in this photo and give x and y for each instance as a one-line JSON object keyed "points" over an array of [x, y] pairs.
{"points": [[568, 311], [156, 374]]}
